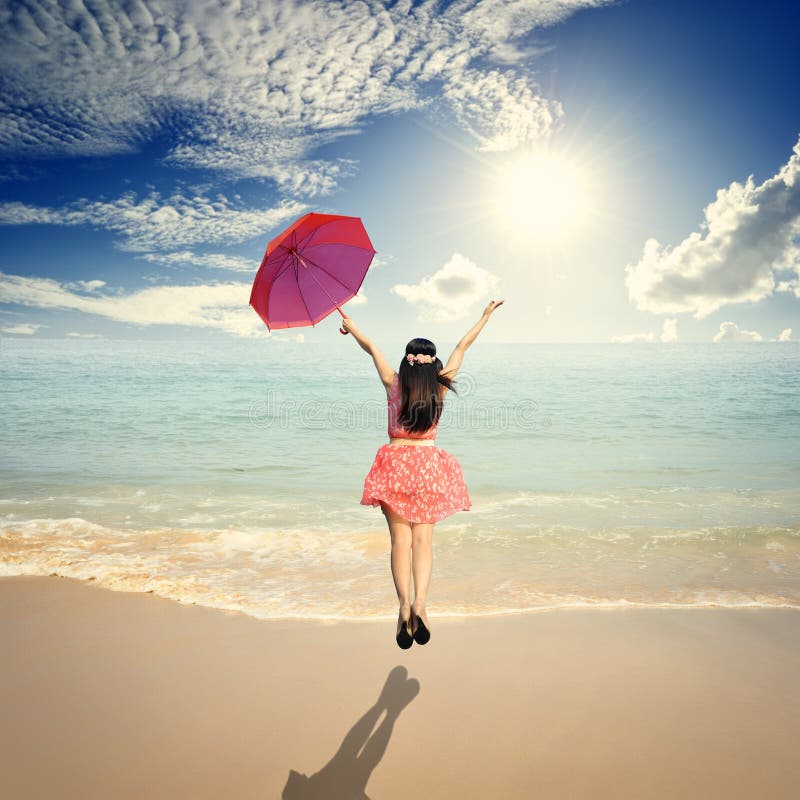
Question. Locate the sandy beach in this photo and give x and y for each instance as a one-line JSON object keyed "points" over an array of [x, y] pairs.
{"points": [[113, 694]]}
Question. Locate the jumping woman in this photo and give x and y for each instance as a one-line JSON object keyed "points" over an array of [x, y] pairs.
{"points": [[415, 483]]}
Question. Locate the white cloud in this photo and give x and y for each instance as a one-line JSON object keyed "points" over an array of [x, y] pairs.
{"points": [[21, 328], [255, 87], [730, 332], [152, 224], [792, 285], [380, 261], [76, 335], [669, 333], [307, 178], [749, 234], [785, 335], [501, 110], [86, 286], [634, 337], [501, 20], [221, 305], [284, 338], [451, 292]]}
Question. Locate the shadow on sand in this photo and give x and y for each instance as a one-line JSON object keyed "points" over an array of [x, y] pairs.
{"points": [[345, 776]]}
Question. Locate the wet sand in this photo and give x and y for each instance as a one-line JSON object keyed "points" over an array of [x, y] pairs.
{"points": [[112, 694]]}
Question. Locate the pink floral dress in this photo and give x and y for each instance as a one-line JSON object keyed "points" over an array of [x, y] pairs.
{"points": [[422, 483]]}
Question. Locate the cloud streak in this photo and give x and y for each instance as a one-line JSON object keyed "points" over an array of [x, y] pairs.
{"points": [[186, 258], [151, 223], [224, 306], [21, 328]]}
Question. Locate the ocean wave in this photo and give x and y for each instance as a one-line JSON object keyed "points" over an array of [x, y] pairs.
{"points": [[317, 574]]}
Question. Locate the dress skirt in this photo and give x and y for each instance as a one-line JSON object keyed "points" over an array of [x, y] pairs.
{"points": [[422, 483]]}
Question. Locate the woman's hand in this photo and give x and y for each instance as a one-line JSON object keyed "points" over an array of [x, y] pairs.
{"points": [[348, 326], [454, 362], [487, 312]]}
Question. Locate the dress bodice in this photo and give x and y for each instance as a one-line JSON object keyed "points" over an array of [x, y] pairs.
{"points": [[395, 400]]}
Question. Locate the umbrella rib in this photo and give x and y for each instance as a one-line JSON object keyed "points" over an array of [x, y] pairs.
{"points": [[300, 292], [281, 269], [344, 244], [335, 304], [313, 263], [313, 231]]}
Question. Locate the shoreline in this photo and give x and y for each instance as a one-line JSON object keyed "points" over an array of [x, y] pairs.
{"points": [[610, 605], [110, 693]]}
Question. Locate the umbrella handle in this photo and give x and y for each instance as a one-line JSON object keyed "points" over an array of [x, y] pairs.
{"points": [[341, 330]]}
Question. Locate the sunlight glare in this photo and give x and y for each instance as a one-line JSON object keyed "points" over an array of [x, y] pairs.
{"points": [[542, 193]]}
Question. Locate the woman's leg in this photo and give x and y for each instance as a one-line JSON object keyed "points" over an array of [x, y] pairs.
{"points": [[422, 565], [400, 530]]}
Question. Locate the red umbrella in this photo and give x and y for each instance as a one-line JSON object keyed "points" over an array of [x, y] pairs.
{"points": [[313, 267]]}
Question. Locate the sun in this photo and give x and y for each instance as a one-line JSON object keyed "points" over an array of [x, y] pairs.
{"points": [[542, 194]]}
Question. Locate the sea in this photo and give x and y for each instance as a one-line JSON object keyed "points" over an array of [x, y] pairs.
{"points": [[228, 474]]}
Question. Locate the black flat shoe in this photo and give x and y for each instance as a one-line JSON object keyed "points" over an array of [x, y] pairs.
{"points": [[404, 638], [421, 635]]}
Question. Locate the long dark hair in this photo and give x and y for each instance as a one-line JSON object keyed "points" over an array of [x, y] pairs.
{"points": [[419, 386]]}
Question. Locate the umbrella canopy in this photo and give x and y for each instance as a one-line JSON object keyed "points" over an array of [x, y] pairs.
{"points": [[313, 267]]}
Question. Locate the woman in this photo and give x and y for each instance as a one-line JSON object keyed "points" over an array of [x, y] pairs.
{"points": [[415, 483]]}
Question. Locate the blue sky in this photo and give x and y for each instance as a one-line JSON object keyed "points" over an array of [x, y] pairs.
{"points": [[587, 161]]}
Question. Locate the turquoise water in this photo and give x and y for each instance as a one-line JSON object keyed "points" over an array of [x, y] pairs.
{"points": [[229, 474]]}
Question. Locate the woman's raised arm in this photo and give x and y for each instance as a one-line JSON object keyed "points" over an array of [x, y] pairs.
{"points": [[381, 364], [454, 362]]}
